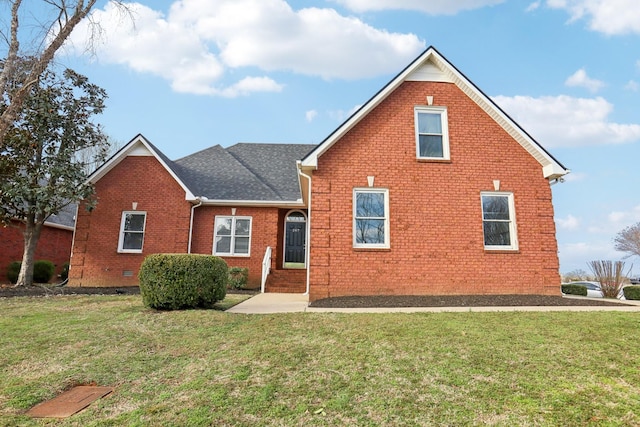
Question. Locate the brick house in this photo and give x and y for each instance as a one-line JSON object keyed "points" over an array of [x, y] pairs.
{"points": [[429, 188], [54, 244]]}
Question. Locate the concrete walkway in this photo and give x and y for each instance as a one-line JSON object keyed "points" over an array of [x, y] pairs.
{"points": [[299, 303]]}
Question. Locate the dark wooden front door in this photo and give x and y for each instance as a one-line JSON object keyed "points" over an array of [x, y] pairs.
{"points": [[294, 244]]}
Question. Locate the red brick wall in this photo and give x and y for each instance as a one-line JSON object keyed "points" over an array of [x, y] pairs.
{"points": [[95, 260], [264, 232], [54, 245], [436, 233]]}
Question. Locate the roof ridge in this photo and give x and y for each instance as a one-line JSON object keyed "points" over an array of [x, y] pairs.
{"points": [[253, 172]]}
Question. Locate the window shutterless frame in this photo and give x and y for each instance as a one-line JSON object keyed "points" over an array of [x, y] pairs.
{"points": [[371, 218], [499, 221], [132, 227], [432, 133], [232, 236]]}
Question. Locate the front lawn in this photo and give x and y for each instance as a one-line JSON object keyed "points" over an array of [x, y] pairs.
{"points": [[207, 367]]}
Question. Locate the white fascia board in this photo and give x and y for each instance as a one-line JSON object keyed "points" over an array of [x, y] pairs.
{"points": [[138, 146], [418, 71], [60, 226], [252, 203]]}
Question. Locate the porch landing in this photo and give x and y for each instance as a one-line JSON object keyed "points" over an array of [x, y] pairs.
{"points": [[272, 303]]}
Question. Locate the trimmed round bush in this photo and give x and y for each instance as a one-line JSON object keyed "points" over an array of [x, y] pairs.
{"points": [[182, 281], [13, 271], [238, 277], [43, 271], [632, 292], [574, 290]]}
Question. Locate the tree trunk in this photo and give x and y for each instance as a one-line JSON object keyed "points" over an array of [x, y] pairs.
{"points": [[31, 236]]}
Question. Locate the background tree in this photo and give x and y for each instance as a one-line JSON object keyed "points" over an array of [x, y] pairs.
{"points": [[628, 240], [610, 275], [57, 19], [40, 170]]}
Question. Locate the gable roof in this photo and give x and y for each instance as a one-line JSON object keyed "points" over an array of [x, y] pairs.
{"points": [[65, 218], [262, 174], [432, 66]]}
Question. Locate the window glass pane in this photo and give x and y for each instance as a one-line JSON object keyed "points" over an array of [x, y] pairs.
{"points": [[242, 245], [429, 123], [495, 207], [431, 146], [223, 226], [370, 231], [369, 205], [132, 241], [242, 227], [134, 222], [223, 245], [496, 233]]}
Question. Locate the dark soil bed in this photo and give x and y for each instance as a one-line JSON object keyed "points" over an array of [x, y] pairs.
{"points": [[457, 301], [8, 291]]}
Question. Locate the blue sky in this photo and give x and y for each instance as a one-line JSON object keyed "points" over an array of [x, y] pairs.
{"points": [[194, 73]]}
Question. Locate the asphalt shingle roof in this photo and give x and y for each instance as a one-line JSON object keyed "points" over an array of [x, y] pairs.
{"points": [[260, 172]]}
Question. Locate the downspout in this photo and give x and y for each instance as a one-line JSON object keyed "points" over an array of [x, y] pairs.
{"points": [[308, 248], [193, 208]]}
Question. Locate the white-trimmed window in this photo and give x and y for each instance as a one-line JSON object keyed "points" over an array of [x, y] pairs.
{"points": [[232, 236], [132, 231], [432, 133], [498, 221], [370, 218]]}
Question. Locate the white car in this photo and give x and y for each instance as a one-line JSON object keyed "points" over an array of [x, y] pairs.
{"points": [[594, 290]]}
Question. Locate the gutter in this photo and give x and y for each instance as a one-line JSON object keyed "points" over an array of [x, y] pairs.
{"points": [[193, 208], [307, 243]]}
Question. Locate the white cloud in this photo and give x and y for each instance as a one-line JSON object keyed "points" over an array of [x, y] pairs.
{"points": [[575, 177], [578, 254], [568, 223], [342, 115], [432, 7], [310, 115], [564, 121], [610, 17], [580, 79], [632, 86], [533, 6], [198, 41]]}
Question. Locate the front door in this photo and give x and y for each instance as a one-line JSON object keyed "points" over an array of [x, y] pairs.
{"points": [[295, 239]]}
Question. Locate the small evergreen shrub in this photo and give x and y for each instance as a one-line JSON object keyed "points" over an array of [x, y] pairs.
{"points": [[574, 290], [238, 277], [181, 281], [13, 271], [64, 273], [43, 271], [632, 292]]}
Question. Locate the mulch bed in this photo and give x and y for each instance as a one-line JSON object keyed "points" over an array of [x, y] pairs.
{"points": [[8, 291], [457, 301]]}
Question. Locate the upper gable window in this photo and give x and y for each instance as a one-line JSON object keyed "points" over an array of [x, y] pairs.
{"points": [[432, 133], [132, 231]]}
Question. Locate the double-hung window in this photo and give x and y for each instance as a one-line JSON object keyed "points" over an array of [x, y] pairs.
{"points": [[498, 221], [232, 236], [432, 133], [132, 231], [370, 218]]}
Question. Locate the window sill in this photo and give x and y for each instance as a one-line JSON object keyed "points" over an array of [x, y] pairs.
{"points": [[121, 251], [372, 249], [502, 251], [423, 160], [233, 255]]}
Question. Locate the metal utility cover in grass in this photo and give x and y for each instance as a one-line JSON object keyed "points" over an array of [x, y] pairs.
{"points": [[69, 402]]}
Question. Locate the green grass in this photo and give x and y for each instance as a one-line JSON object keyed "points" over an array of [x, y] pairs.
{"points": [[207, 367]]}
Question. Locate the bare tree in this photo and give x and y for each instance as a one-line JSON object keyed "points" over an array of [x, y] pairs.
{"points": [[610, 275], [628, 240], [64, 16]]}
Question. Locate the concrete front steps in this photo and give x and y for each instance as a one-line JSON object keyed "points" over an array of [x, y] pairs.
{"points": [[287, 281]]}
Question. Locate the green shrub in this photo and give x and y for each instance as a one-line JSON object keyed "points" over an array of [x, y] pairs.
{"points": [[238, 277], [13, 271], [43, 271], [64, 273], [574, 290], [632, 292], [180, 281]]}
